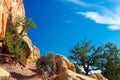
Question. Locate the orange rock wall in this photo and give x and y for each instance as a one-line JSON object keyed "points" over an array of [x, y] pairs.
{"points": [[15, 7]]}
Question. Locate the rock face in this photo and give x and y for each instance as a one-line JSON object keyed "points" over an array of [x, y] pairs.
{"points": [[35, 54], [98, 76], [14, 8], [34, 51], [4, 75], [67, 71], [63, 64], [69, 75]]}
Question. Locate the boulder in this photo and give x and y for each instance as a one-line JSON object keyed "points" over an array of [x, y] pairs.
{"points": [[4, 75], [66, 70], [63, 64]]}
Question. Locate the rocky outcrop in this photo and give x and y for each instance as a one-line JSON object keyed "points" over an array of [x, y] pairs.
{"points": [[63, 64], [69, 75], [4, 75], [98, 76], [66, 70], [34, 51], [34, 55], [15, 8]]}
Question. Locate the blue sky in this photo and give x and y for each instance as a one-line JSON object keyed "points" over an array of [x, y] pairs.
{"points": [[63, 23]]}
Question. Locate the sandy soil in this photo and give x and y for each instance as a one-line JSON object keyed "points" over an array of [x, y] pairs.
{"points": [[19, 72]]}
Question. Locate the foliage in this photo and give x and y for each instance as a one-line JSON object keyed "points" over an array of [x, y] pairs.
{"points": [[13, 40], [111, 61], [86, 55], [104, 57], [25, 23], [46, 63]]}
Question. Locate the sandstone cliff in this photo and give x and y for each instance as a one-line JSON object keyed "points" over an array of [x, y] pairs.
{"points": [[15, 8]]}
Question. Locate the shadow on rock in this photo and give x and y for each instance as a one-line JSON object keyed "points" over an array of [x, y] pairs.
{"points": [[19, 76]]}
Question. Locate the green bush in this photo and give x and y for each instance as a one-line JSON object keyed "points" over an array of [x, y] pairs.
{"points": [[46, 64], [13, 42]]}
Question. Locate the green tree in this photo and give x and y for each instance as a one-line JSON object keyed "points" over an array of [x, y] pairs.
{"points": [[104, 57], [13, 41], [111, 61], [86, 55]]}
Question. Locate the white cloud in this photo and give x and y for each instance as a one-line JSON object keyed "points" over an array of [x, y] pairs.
{"points": [[114, 27], [102, 14], [102, 19], [113, 20]]}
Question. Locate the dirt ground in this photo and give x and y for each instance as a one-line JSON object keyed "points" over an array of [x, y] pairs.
{"points": [[19, 72]]}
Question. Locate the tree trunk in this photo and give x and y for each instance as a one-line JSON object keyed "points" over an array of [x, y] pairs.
{"points": [[87, 71]]}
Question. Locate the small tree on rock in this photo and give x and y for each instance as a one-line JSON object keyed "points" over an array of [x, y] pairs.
{"points": [[86, 55]]}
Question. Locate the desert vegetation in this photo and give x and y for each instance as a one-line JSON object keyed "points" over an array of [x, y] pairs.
{"points": [[13, 42], [105, 57], [46, 64]]}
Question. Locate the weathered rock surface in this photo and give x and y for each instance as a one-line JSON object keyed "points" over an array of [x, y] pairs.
{"points": [[98, 76], [15, 8], [4, 75], [63, 64], [69, 75], [67, 71], [34, 51], [35, 54]]}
